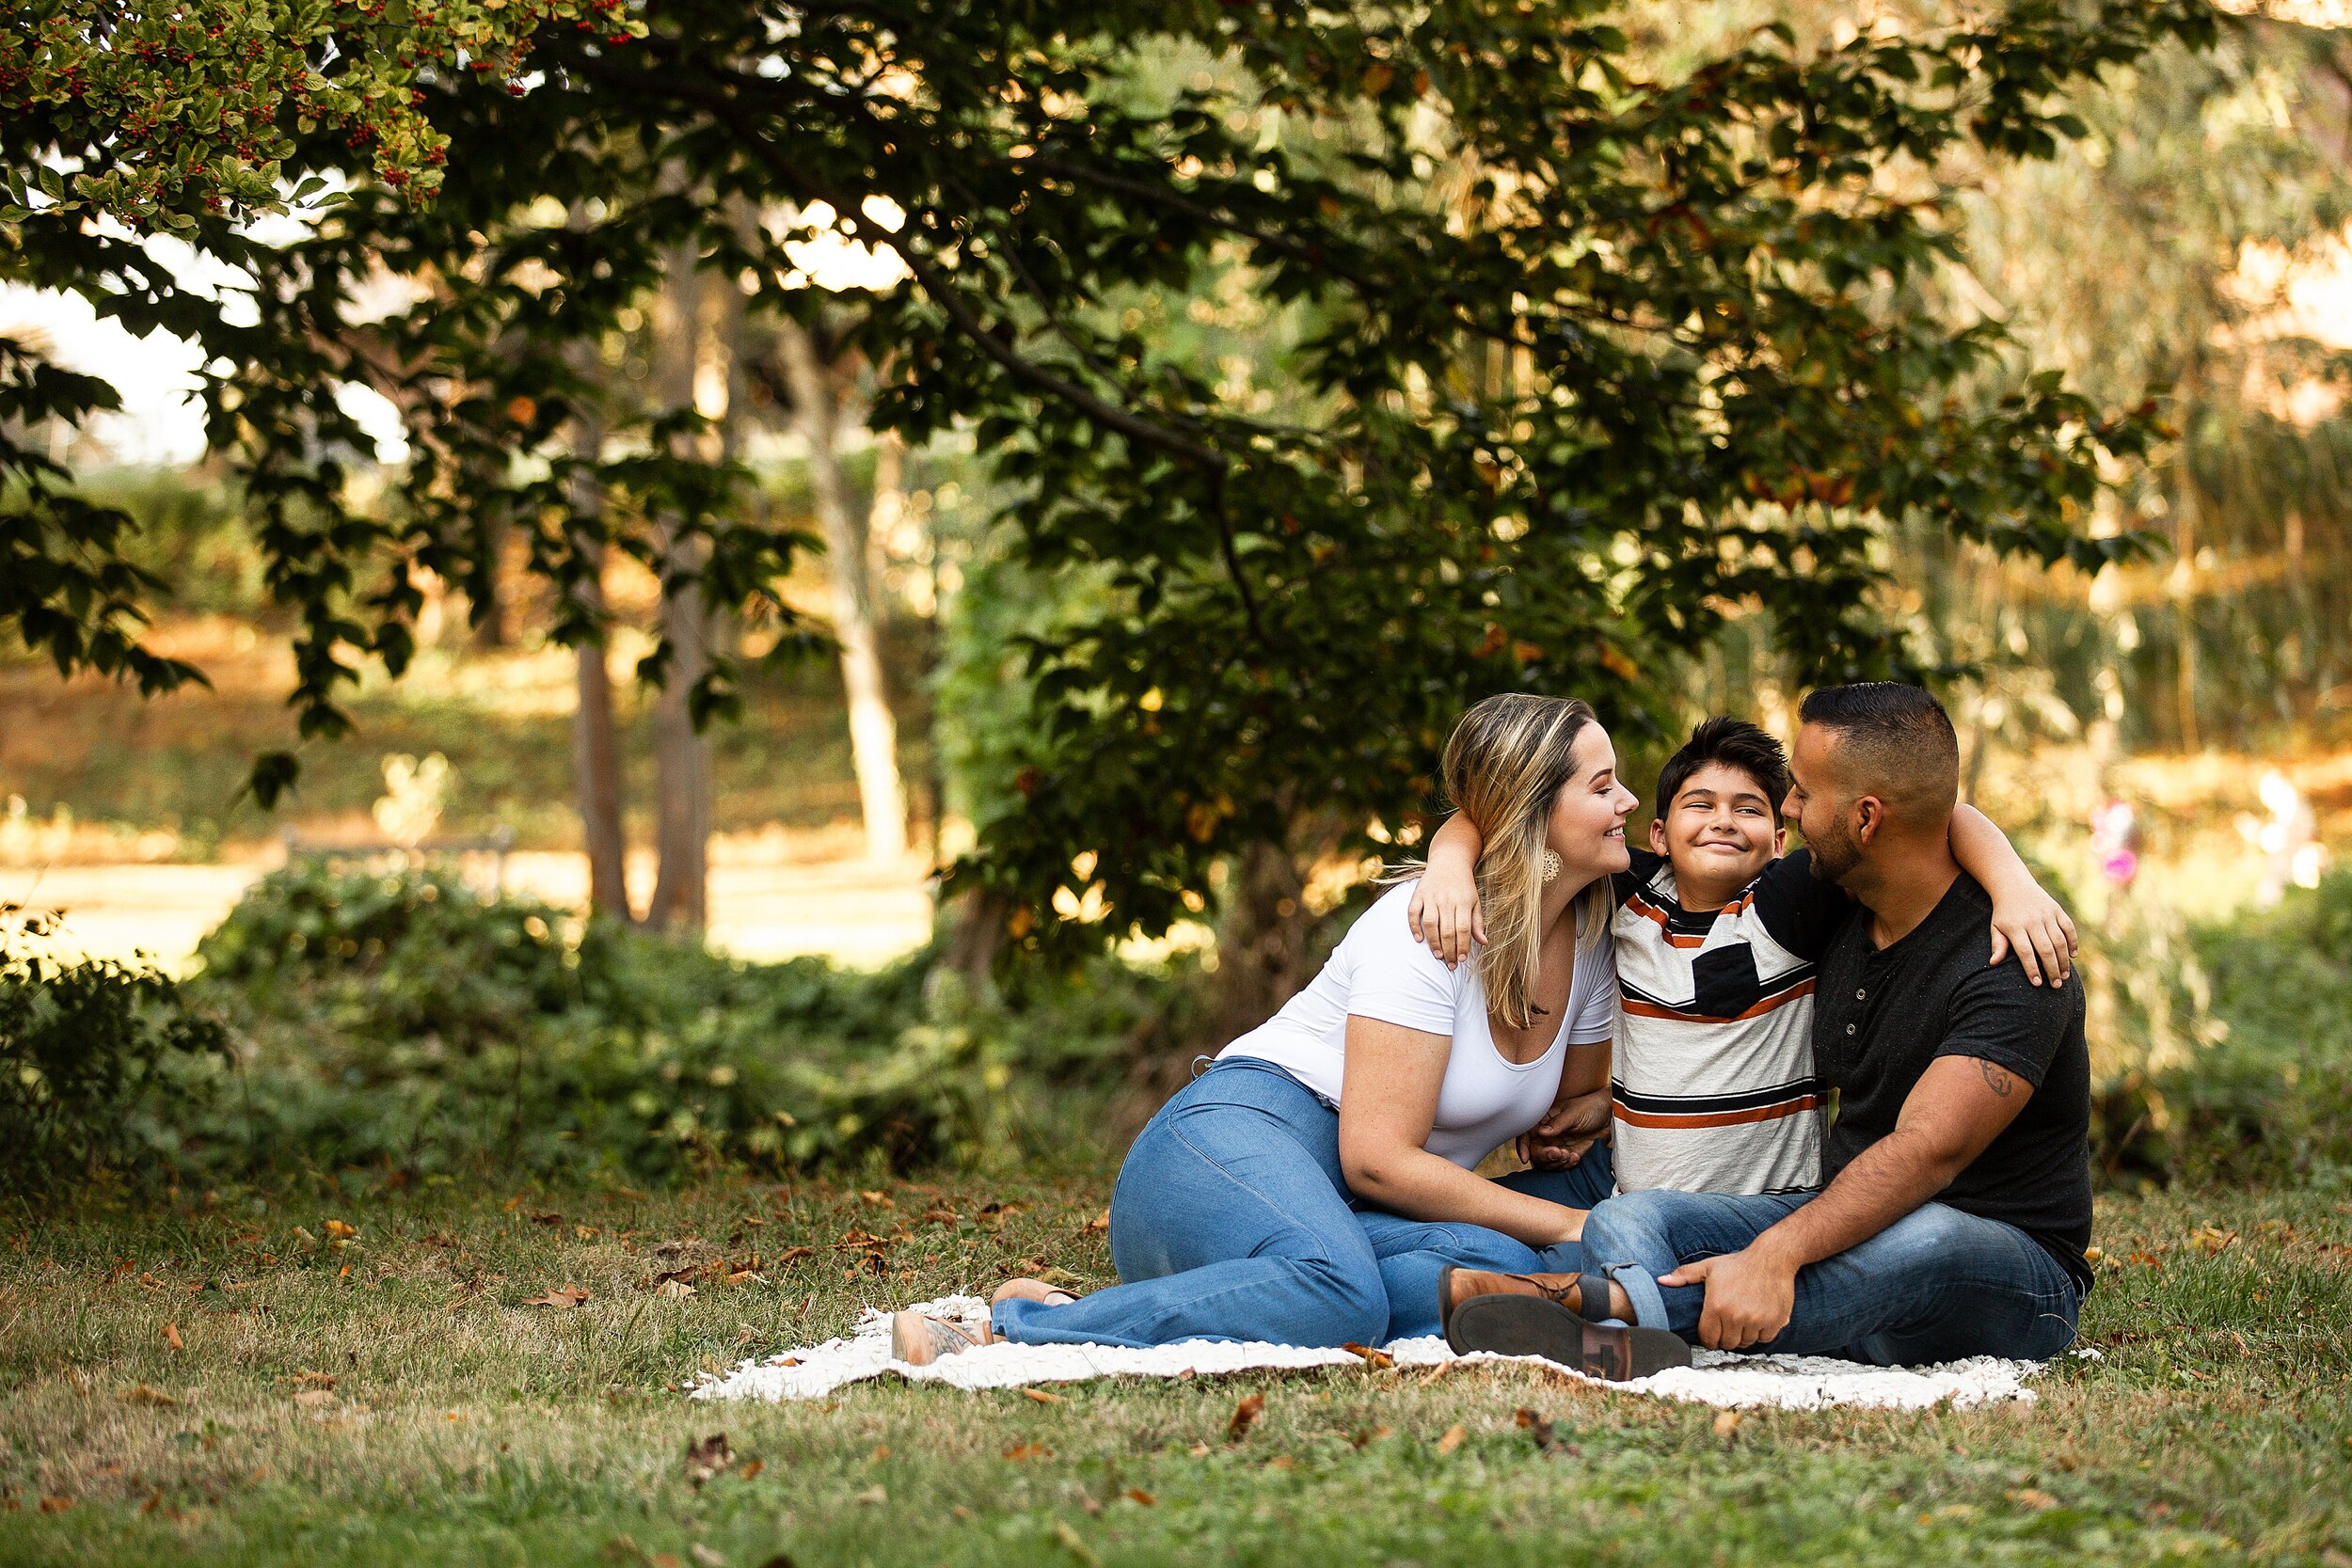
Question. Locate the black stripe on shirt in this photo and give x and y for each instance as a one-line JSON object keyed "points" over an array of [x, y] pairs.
{"points": [[1696, 1104]]}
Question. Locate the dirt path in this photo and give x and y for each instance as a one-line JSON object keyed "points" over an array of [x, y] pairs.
{"points": [[853, 911]]}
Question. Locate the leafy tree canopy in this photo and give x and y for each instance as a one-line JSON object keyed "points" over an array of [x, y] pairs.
{"points": [[1584, 358]]}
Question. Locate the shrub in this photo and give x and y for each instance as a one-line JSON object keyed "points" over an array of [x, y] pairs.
{"points": [[404, 1021], [95, 1058], [2225, 1049], [413, 954]]}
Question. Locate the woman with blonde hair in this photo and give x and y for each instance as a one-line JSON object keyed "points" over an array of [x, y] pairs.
{"points": [[1312, 1184]]}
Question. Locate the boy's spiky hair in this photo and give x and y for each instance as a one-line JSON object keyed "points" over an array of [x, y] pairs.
{"points": [[1733, 743]]}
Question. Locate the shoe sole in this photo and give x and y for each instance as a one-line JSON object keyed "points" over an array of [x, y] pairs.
{"points": [[1529, 1325], [909, 1340]]}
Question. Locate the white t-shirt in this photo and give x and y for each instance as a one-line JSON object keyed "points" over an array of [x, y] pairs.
{"points": [[1381, 971]]}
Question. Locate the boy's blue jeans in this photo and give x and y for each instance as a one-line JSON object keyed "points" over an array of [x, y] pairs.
{"points": [[1937, 1285], [1232, 1220]]}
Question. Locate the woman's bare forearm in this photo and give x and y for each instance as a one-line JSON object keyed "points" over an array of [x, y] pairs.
{"points": [[1424, 1186]]}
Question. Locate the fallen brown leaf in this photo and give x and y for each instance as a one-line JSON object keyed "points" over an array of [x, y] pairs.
{"points": [[1453, 1438], [1100, 1222], [549, 1218], [316, 1398], [1245, 1413], [171, 1337], [1028, 1451], [1531, 1421], [1727, 1423], [1373, 1359], [1369, 1435], [1138, 1497], [2032, 1497], [710, 1457], [562, 1297], [880, 1200], [1043, 1397], [338, 1231], [879, 1452], [673, 1290], [793, 1255], [750, 1469], [56, 1505], [142, 1394], [313, 1380]]}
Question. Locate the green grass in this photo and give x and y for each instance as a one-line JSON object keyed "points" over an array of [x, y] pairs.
{"points": [[463, 1426]]}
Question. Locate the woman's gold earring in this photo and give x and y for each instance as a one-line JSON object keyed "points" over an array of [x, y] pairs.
{"points": [[1551, 865]]}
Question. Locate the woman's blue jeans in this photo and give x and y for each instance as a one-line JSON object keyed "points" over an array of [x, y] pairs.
{"points": [[1232, 1220]]}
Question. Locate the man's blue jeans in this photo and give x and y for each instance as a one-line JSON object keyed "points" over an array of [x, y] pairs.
{"points": [[1935, 1286], [1232, 1220]]}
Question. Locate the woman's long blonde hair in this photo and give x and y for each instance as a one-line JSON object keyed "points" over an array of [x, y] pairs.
{"points": [[1505, 766]]}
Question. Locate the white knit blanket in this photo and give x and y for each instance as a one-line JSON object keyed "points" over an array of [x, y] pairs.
{"points": [[1738, 1382]]}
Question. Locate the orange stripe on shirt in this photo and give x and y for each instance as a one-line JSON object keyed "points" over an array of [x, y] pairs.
{"points": [[1770, 1004], [1648, 911], [1719, 1118]]}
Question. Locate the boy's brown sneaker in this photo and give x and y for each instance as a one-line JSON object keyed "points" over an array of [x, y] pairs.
{"points": [[918, 1340]]}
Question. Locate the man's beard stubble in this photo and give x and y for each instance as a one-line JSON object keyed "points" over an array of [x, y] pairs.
{"points": [[1833, 855]]}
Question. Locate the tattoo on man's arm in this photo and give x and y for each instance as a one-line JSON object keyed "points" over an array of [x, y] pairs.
{"points": [[1995, 1078]]}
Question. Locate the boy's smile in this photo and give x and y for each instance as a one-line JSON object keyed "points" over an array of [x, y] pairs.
{"points": [[1718, 832]]}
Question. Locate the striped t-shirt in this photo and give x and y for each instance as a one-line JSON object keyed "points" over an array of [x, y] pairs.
{"points": [[1714, 1085]]}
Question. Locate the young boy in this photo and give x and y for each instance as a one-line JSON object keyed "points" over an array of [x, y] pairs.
{"points": [[1715, 938]]}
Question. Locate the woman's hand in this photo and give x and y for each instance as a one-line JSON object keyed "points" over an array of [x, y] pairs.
{"points": [[1568, 1129], [2032, 922], [1444, 911]]}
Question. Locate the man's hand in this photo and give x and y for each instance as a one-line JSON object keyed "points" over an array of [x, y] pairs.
{"points": [[1749, 1297]]}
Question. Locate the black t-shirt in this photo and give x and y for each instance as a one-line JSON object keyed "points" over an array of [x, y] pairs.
{"points": [[1882, 1015], [1801, 911]]}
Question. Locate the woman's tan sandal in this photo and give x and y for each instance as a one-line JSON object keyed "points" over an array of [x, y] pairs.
{"points": [[1532, 1325], [919, 1339], [1025, 1288]]}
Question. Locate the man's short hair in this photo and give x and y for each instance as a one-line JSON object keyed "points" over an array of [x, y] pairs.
{"points": [[1733, 743], [1894, 741]]}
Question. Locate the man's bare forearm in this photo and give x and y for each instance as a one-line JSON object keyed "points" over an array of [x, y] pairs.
{"points": [[1884, 1182]]}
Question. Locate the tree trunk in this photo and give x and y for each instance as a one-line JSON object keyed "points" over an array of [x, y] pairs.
{"points": [[491, 617], [1261, 953], [881, 519], [681, 896], [596, 744], [596, 754], [873, 732]]}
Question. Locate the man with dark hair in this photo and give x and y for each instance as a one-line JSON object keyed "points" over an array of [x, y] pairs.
{"points": [[1958, 1206]]}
